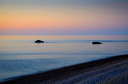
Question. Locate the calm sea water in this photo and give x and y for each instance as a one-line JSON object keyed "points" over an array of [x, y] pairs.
{"points": [[19, 55]]}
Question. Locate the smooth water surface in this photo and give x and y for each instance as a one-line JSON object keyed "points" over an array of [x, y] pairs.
{"points": [[19, 55]]}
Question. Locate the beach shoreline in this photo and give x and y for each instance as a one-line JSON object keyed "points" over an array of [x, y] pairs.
{"points": [[104, 71]]}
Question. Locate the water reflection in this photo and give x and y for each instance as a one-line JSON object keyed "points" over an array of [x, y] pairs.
{"points": [[19, 55]]}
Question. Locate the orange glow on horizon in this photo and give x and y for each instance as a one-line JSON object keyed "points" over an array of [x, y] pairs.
{"points": [[59, 19]]}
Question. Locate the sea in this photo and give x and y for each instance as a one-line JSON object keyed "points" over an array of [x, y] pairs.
{"points": [[20, 55]]}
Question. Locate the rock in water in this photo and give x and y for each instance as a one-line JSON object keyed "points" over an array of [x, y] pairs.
{"points": [[39, 41], [96, 43]]}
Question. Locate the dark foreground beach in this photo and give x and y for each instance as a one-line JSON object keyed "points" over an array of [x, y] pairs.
{"points": [[113, 70]]}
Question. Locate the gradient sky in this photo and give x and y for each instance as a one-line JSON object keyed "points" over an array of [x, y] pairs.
{"points": [[64, 17]]}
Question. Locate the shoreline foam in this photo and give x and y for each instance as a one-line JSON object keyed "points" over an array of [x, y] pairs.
{"points": [[110, 70]]}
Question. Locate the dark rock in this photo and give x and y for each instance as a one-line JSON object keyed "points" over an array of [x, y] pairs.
{"points": [[39, 41], [96, 43]]}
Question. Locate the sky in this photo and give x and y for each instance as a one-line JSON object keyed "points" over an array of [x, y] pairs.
{"points": [[64, 17]]}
